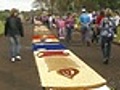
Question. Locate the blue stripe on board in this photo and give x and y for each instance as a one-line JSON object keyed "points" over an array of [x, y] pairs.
{"points": [[48, 46]]}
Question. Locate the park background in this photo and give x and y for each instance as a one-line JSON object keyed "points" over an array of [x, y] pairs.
{"points": [[36, 7]]}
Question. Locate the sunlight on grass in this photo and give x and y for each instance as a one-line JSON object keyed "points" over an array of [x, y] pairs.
{"points": [[1, 27]]}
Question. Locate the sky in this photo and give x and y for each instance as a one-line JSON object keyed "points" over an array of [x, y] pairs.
{"points": [[21, 5]]}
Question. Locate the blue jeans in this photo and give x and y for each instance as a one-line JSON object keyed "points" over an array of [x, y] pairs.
{"points": [[14, 45], [86, 34], [106, 47], [68, 34]]}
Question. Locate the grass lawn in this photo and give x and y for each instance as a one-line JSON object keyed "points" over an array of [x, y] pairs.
{"points": [[1, 28], [117, 39]]}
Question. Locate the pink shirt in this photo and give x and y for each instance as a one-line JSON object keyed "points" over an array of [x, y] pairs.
{"points": [[60, 23]]}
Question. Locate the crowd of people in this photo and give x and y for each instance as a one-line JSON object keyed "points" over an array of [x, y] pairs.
{"points": [[94, 26]]}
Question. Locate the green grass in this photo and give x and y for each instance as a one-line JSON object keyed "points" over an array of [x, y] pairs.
{"points": [[117, 39], [1, 27]]}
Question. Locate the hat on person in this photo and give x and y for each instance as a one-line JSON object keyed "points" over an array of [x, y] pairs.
{"points": [[83, 10]]}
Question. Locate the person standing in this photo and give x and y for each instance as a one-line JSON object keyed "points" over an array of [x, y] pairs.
{"points": [[69, 23], [106, 35], [98, 20], [61, 28], [14, 30], [85, 27], [117, 22]]}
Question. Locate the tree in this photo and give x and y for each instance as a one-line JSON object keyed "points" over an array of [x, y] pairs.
{"points": [[75, 5]]}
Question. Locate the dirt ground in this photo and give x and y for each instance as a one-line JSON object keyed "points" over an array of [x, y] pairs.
{"points": [[23, 75]]}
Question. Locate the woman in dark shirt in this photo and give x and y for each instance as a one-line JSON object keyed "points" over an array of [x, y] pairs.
{"points": [[14, 30]]}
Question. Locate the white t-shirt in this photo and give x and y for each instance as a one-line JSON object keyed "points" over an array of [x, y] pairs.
{"points": [[117, 20]]}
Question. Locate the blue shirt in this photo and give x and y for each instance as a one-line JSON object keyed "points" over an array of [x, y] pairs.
{"points": [[84, 18]]}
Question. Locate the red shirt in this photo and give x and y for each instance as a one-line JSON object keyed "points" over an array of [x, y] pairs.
{"points": [[98, 20]]}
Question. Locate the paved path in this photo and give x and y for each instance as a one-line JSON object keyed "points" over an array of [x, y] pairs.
{"points": [[23, 75]]}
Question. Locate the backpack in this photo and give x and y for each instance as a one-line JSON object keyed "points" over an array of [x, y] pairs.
{"points": [[107, 28]]}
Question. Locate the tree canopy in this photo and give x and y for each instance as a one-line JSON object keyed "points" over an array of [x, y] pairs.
{"points": [[75, 5]]}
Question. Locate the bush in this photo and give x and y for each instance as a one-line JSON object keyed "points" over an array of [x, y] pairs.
{"points": [[3, 15], [1, 27]]}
